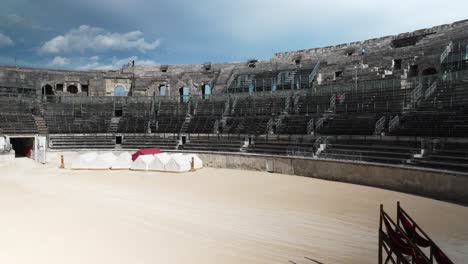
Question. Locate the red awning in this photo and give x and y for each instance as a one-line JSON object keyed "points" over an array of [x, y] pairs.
{"points": [[146, 151]]}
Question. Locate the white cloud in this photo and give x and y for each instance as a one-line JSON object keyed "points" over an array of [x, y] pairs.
{"points": [[118, 63], [5, 41], [14, 22], [95, 63], [87, 38], [60, 61]]}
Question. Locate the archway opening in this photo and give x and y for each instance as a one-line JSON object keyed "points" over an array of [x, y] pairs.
{"points": [[72, 89], [251, 88], [429, 71], [119, 90], [413, 71], [162, 90], [47, 90], [184, 94], [206, 91]]}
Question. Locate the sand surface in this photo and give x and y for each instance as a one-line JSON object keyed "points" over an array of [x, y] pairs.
{"points": [[48, 215]]}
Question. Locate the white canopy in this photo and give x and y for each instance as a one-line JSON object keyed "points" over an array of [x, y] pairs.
{"points": [[122, 162], [159, 162], [2, 143], [142, 162], [198, 162], [89, 161], [178, 163], [108, 158]]}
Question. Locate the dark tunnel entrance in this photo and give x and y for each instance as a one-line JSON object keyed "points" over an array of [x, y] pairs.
{"points": [[23, 147]]}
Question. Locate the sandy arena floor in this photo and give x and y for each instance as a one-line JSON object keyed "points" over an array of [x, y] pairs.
{"points": [[53, 216]]}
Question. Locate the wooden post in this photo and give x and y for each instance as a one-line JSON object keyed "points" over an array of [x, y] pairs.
{"points": [[380, 234], [62, 163], [192, 165]]}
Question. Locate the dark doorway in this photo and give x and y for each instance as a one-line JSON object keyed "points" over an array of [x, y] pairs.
{"points": [[59, 87], [72, 89], [397, 64], [85, 89], [206, 91], [413, 71], [184, 93], [118, 140], [184, 139], [118, 113], [429, 71], [162, 90], [23, 147], [47, 90]]}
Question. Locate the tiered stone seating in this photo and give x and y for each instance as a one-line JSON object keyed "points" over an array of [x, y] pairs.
{"points": [[82, 141], [16, 116], [11, 123], [311, 104], [138, 141], [259, 106], [79, 117], [294, 124], [450, 157], [210, 107], [171, 116], [256, 125], [433, 124], [206, 114], [169, 123], [202, 125], [371, 151], [136, 116], [348, 124], [283, 147], [212, 144], [377, 101]]}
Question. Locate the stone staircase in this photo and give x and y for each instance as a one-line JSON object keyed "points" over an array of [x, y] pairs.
{"points": [[114, 125], [41, 125], [185, 125]]}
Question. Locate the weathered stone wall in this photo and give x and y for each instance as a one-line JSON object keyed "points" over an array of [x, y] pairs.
{"points": [[430, 183], [422, 48]]}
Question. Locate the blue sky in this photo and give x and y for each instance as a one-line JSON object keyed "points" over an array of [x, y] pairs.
{"points": [[105, 34]]}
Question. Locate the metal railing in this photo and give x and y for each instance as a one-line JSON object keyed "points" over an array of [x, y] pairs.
{"points": [[394, 123], [314, 72], [430, 90], [446, 52], [380, 125]]}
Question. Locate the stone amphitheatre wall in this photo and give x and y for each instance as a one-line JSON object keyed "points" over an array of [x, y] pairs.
{"points": [[429, 183], [420, 48], [425, 182]]}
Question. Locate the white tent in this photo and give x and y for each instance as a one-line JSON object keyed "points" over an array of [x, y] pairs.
{"points": [[178, 163], [122, 162], [89, 161], [108, 158], [142, 162], [159, 162], [2, 143], [198, 162]]}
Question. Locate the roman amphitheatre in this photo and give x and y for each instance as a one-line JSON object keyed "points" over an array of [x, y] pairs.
{"points": [[286, 160]]}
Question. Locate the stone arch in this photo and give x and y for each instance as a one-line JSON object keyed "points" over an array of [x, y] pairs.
{"points": [[47, 90], [119, 90], [206, 91], [429, 71], [73, 89], [184, 93], [162, 90]]}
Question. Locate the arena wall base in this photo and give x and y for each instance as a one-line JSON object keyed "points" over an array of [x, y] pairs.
{"points": [[435, 184], [425, 182]]}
